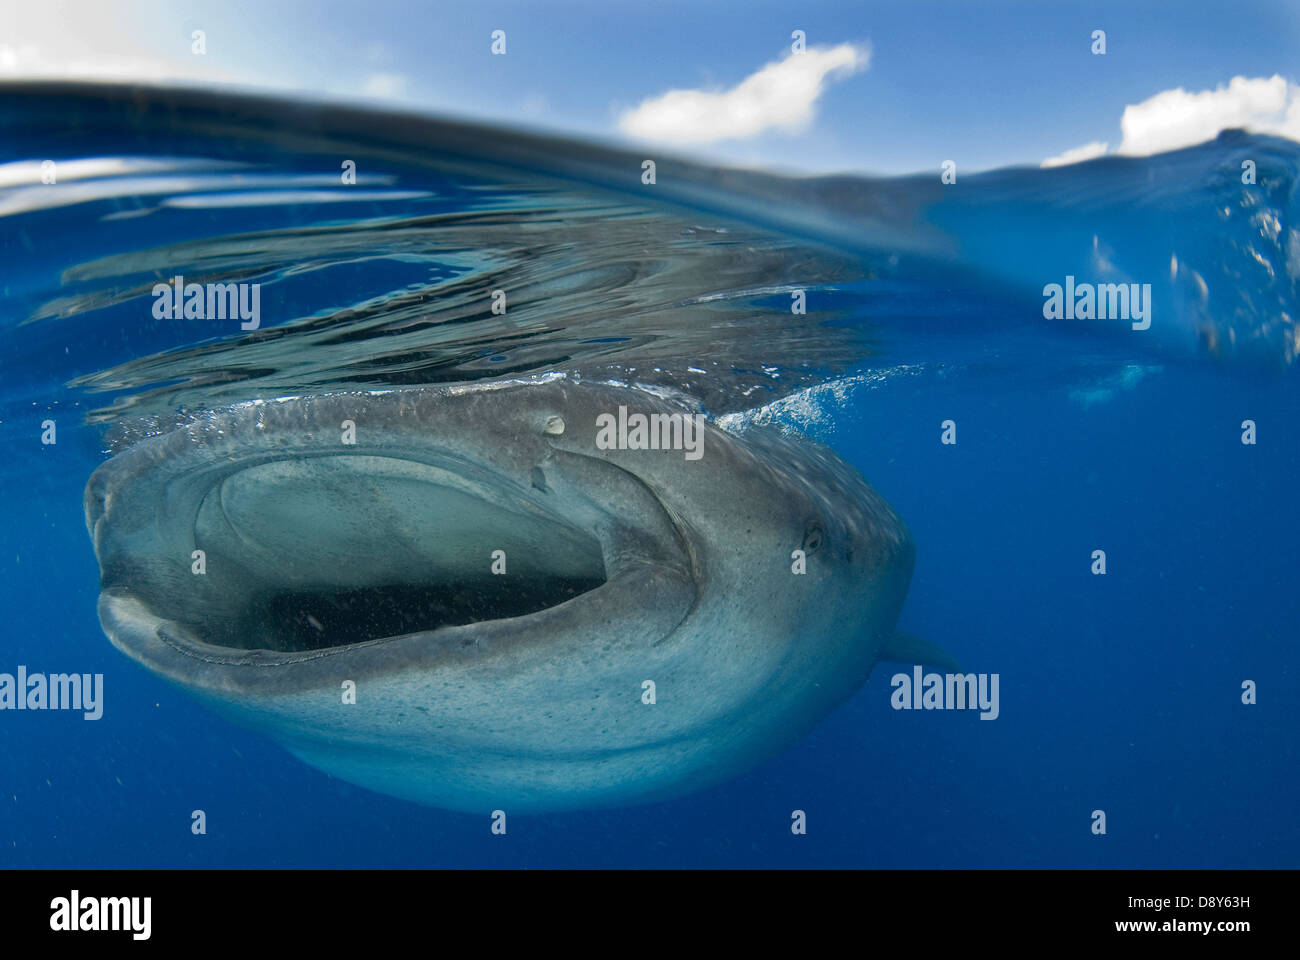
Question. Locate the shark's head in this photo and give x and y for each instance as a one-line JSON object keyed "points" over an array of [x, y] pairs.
{"points": [[525, 595]]}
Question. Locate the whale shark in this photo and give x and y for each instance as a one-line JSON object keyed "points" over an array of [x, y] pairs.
{"points": [[467, 596]]}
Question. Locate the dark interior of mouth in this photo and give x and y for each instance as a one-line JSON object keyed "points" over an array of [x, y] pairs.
{"points": [[311, 620], [314, 553]]}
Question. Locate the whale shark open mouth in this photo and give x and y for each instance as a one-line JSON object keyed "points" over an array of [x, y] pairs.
{"points": [[334, 550], [256, 537]]}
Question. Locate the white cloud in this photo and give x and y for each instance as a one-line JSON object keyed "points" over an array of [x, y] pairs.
{"points": [[781, 95], [1088, 151], [1175, 118], [389, 85], [534, 105], [30, 61]]}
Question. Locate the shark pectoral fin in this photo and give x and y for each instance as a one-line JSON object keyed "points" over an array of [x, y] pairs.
{"points": [[909, 648]]}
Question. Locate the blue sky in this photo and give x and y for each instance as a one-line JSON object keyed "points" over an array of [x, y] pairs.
{"points": [[983, 84]]}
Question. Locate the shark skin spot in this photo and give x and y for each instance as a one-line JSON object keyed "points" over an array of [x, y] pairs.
{"points": [[371, 562]]}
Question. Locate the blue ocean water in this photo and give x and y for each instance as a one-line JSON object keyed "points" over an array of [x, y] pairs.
{"points": [[1120, 692]]}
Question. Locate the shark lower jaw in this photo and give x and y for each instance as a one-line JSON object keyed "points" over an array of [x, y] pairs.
{"points": [[284, 561]]}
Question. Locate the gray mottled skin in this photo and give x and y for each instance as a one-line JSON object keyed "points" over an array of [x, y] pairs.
{"points": [[538, 712]]}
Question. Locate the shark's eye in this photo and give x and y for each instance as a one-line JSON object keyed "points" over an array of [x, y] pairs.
{"points": [[813, 537]]}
